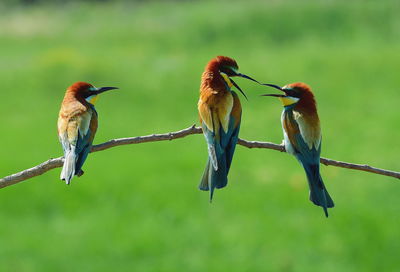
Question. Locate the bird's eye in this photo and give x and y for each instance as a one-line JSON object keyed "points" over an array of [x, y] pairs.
{"points": [[292, 92], [227, 70]]}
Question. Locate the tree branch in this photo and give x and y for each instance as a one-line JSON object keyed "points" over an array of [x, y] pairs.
{"points": [[58, 162]]}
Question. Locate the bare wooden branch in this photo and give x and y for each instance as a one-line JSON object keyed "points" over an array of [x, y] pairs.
{"points": [[149, 138], [58, 162]]}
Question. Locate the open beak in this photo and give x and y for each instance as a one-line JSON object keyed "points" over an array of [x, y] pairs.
{"points": [[237, 87], [244, 76], [104, 89], [276, 87]]}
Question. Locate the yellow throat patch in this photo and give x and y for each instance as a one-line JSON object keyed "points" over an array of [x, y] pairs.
{"points": [[92, 99], [288, 100], [227, 80]]}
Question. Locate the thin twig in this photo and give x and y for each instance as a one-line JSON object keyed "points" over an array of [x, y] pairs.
{"points": [[58, 162]]}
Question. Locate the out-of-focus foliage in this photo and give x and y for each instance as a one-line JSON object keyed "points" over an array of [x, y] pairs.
{"points": [[137, 208]]}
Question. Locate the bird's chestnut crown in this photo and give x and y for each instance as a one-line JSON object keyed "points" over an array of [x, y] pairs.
{"points": [[226, 67], [223, 65]]}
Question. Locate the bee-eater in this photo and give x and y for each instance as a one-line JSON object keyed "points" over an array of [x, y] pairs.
{"points": [[77, 125], [220, 115], [302, 136]]}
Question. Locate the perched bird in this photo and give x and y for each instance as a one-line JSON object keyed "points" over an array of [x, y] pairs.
{"points": [[77, 125], [302, 136], [220, 113]]}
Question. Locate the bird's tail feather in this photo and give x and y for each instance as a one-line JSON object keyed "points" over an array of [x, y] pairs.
{"points": [[214, 178], [204, 180], [318, 193], [68, 170]]}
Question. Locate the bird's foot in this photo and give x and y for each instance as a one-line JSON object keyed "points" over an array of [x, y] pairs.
{"points": [[283, 145]]}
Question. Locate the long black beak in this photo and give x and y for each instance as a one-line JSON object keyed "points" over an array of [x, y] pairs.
{"points": [[274, 95], [104, 89], [273, 86], [245, 76], [237, 87]]}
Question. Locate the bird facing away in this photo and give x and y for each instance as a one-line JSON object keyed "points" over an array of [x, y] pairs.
{"points": [[302, 136], [220, 114], [77, 125]]}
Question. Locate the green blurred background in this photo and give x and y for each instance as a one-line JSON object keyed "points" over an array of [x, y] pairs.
{"points": [[137, 208]]}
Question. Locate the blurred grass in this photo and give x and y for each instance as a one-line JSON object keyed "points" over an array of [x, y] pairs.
{"points": [[138, 207]]}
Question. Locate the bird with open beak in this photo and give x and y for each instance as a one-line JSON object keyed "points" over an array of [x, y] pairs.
{"points": [[220, 116], [302, 136], [77, 126]]}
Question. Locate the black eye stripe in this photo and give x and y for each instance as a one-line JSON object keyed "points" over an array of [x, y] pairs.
{"points": [[292, 92], [227, 70]]}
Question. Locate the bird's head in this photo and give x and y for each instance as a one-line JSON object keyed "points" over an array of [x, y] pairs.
{"points": [[227, 68], [295, 93], [88, 91]]}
